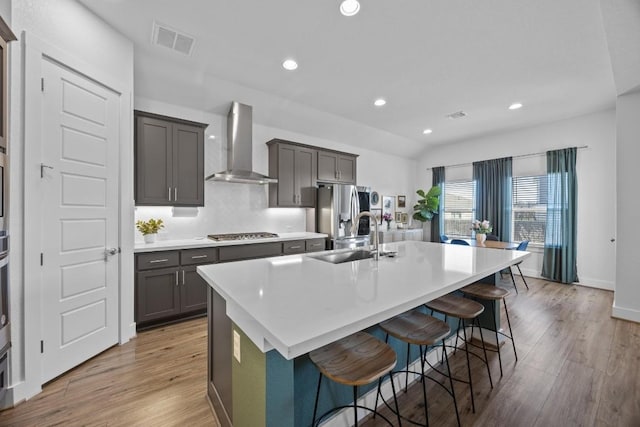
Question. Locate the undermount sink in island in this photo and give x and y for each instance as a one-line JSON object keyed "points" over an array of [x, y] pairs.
{"points": [[279, 309]]}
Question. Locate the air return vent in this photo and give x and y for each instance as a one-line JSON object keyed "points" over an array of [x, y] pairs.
{"points": [[457, 115], [172, 39]]}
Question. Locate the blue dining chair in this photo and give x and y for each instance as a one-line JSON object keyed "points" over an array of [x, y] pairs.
{"points": [[460, 242], [443, 238], [521, 247]]}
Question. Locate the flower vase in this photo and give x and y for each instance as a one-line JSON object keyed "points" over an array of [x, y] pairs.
{"points": [[480, 238], [150, 238]]}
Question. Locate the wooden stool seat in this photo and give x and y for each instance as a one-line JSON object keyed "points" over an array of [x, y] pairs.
{"points": [[455, 306], [485, 291], [355, 360], [415, 327]]}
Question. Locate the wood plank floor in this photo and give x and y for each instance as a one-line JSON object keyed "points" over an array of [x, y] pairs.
{"points": [[576, 366]]}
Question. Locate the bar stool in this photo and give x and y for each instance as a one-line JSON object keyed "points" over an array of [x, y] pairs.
{"points": [[464, 310], [493, 293], [415, 327], [356, 360]]}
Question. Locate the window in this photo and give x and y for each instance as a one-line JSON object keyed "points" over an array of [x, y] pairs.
{"points": [[529, 209], [458, 208]]}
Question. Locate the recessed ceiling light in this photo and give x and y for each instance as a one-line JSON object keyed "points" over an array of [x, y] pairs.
{"points": [[379, 102], [427, 131], [349, 7], [515, 106], [289, 64]]}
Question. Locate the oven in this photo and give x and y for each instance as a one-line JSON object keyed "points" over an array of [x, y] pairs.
{"points": [[5, 335]]}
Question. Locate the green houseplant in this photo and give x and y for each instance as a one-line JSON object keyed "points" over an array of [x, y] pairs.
{"points": [[149, 229], [427, 205]]}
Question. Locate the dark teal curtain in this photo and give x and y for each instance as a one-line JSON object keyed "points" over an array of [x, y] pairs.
{"points": [[493, 179], [559, 262], [436, 223]]}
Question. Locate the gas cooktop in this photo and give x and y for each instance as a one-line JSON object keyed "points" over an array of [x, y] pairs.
{"points": [[241, 236]]}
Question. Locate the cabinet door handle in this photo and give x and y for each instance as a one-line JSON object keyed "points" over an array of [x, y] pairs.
{"points": [[177, 284], [175, 194], [156, 261], [198, 256], [169, 193], [182, 277]]}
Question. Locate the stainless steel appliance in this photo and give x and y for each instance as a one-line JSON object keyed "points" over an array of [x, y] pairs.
{"points": [[337, 208], [5, 334], [241, 236]]}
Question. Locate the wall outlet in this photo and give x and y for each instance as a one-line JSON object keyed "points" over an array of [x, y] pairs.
{"points": [[236, 345]]}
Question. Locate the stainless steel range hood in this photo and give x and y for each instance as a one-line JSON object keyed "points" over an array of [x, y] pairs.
{"points": [[239, 144]]}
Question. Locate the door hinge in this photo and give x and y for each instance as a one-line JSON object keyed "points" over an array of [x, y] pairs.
{"points": [[42, 84], [41, 347], [41, 258]]}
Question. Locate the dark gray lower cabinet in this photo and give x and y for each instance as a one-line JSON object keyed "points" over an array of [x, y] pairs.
{"points": [[219, 364], [157, 294], [193, 293], [166, 294]]}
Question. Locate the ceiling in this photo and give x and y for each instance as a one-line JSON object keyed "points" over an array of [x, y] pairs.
{"points": [[427, 58]]}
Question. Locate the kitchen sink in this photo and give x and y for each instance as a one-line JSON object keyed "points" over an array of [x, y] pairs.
{"points": [[348, 256]]}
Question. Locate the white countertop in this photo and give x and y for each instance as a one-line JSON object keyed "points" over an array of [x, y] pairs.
{"points": [[296, 303], [204, 242]]}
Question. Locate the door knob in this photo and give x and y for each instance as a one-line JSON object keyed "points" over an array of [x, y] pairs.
{"points": [[110, 252]]}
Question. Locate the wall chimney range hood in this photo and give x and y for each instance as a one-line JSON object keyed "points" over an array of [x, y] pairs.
{"points": [[239, 145]]}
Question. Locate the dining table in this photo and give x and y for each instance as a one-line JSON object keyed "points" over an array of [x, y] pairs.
{"points": [[493, 244]]}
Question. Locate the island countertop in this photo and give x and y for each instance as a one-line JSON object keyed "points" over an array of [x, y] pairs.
{"points": [[297, 303]]}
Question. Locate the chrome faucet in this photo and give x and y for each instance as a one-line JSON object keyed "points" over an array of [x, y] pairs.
{"points": [[376, 241]]}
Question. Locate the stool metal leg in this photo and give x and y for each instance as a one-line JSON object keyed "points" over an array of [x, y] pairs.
{"points": [[315, 407], [395, 400], [513, 342], [406, 378], [466, 351], [484, 349], [424, 389], [522, 275], [453, 391], [355, 405], [495, 330]]}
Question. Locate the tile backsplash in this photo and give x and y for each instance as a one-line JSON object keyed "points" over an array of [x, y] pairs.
{"points": [[229, 208]]}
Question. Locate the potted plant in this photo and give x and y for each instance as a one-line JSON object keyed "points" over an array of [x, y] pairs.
{"points": [[149, 229], [427, 205]]}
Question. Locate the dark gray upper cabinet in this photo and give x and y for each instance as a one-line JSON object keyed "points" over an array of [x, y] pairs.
{"points": [[169, 161], [336, 167], [295, 167]]}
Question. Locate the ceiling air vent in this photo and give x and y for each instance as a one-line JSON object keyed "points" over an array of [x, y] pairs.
{"points": [[172, 39], [457, 115]]}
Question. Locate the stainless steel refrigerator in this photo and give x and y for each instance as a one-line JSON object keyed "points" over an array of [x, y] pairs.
{"points": [[337, 208]]}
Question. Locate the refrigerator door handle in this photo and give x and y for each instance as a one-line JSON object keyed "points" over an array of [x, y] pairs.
{"points": [[355, 210]]}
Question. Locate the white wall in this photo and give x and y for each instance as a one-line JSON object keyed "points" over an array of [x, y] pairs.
{"points": [[231, 207], [596, 167], [626, 304], [71, 28]]}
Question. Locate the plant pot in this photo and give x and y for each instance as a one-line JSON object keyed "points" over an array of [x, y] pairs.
{"points": [[480, 238], [150, 238]]}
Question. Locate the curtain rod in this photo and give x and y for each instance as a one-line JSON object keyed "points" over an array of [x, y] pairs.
{"points": [[513, 157]]}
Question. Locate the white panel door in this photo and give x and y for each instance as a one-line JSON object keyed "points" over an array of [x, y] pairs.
{"points": [[79, 219]]}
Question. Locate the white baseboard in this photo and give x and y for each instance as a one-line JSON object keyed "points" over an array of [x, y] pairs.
{"points": [[588, 282], [127, 333], [625, 313], [344, 418]]}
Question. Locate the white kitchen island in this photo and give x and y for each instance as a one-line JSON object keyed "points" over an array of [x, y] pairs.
{"points": [[284, 307]]}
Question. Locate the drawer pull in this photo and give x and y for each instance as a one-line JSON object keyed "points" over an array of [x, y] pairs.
{"points": [[198, 256], [295, 247], [156, 261], [316, 244]]}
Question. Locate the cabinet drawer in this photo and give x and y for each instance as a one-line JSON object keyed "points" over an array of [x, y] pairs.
{"points": [[146, 261], [198, 256], [257, 250], [293, 247], [314, 245]]}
